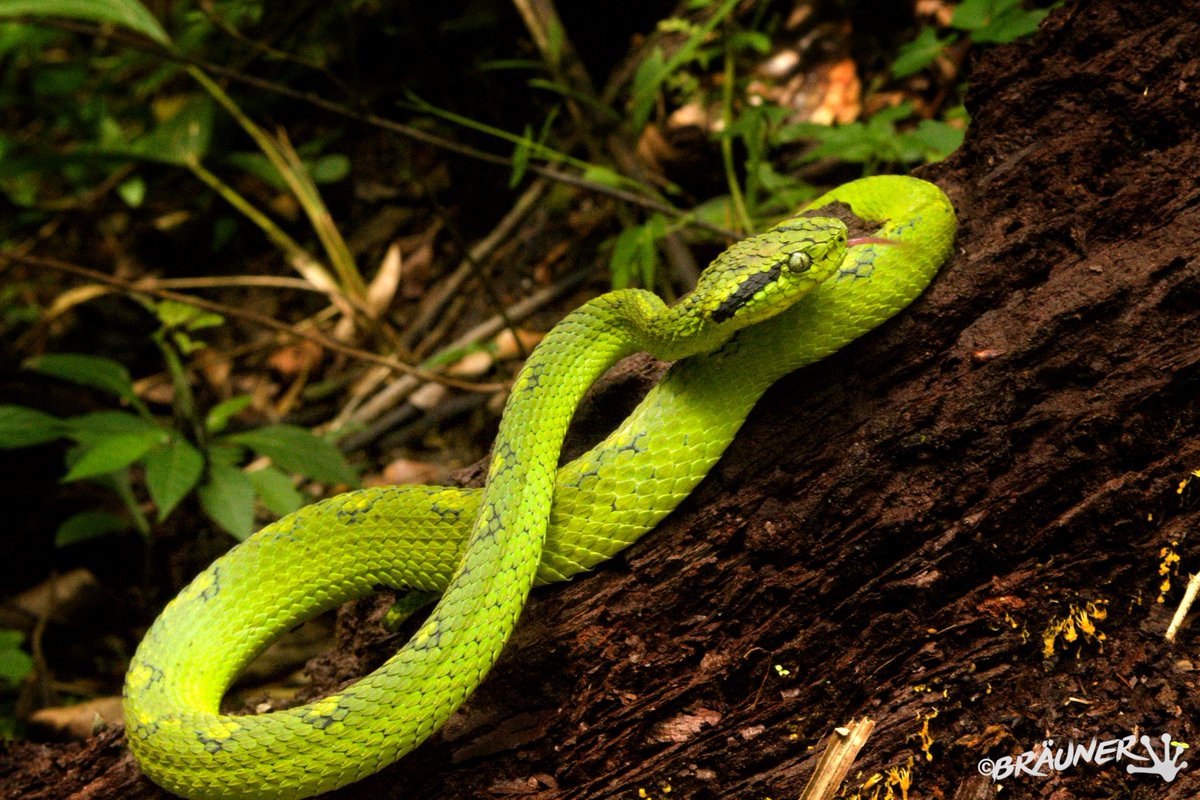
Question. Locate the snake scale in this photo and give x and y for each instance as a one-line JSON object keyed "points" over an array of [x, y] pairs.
{"points": [[766, 306]]}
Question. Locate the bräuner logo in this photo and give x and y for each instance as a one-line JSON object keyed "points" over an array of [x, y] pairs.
{"points": [[1138, 751]]}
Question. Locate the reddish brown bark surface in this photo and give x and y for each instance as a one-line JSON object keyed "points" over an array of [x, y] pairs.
{"points": [[896, 527]]}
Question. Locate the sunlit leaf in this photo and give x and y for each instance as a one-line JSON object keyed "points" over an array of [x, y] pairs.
{"points": [[113, 453]]}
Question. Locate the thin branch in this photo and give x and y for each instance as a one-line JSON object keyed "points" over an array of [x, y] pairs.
{"points": [[250, 316], [396, 391], [241, 281], [442, 293]]}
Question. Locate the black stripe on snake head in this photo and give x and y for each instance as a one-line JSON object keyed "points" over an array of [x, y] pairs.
{"points": [[744, 292]]}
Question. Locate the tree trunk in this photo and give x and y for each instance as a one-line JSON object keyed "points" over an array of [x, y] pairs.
{"points": [[897, 528]]}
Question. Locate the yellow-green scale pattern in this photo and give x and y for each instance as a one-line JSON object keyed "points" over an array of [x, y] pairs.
{"points": [[421, 538]]}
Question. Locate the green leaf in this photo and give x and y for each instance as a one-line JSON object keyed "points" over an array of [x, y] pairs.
{"points": [[757, 41], [127, 13], [329, 168], [25, 427], [228, 499], [635, 253], [870, 142], [95, 426], [276, 491], [174, 314], [622, 264], [937, 139], [604, 176], [172, 471], [88, 525], [996, 21], [972, 15], [655, 229], [520, 157], [113, 453], [15, 664], [95, 371], [294, 449], [648, 76], [219, 452], [219, 415], [132, 191], [919, 53], [1015, 24], [180, 139], [185, 344]]}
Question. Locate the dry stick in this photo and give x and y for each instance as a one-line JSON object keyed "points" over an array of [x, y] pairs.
{"points": [[406, 422], [1189, 596], [240, 281], [434, 305], [840, 752], [447, 288], [411, 372], [401, 388], [481, 274]]}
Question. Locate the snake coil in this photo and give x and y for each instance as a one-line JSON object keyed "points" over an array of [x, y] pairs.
{"points": [[768, 305]]}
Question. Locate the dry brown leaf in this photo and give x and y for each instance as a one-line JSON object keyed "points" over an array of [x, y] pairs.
{"points": [[428, 396], [299, 357], [215, 368], [842, 101], [73, 297], [408, 470], [382, 289], [507, 347]]}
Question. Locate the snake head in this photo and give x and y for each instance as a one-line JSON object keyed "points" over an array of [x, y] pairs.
{"points": [[763, 275]]}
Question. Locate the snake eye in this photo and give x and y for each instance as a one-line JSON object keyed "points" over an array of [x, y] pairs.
{"points": [[799, 261]]}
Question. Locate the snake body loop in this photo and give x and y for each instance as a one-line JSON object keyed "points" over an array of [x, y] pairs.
{"points": [[766, 306]]}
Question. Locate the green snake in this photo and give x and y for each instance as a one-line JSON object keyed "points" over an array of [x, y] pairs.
{"points": [[769, 304]]}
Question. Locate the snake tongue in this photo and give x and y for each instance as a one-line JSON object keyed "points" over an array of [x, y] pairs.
{"points": [[857, 240]]}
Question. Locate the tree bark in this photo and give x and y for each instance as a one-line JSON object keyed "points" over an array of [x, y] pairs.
{"points": [[897, 528]]}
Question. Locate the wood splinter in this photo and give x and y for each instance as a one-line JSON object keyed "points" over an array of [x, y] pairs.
{"points": [[840, 752]]}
